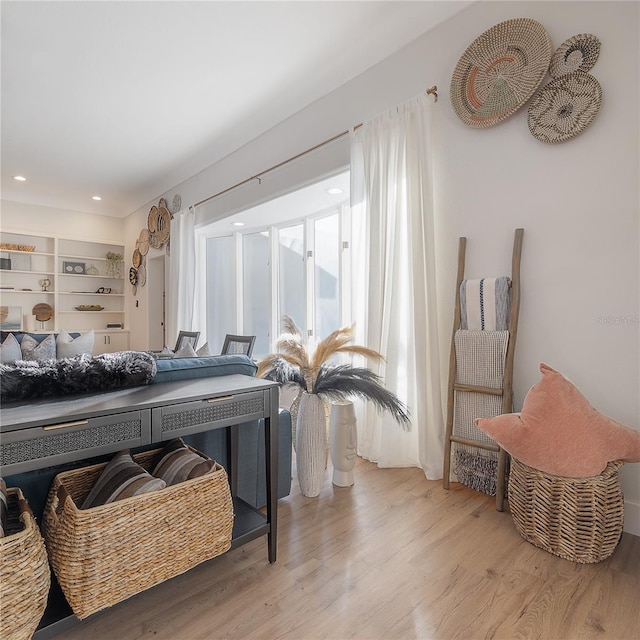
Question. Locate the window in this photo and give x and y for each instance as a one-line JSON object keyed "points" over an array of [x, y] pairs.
{"points": [[291, 270], [256, 290], [287, 259]]}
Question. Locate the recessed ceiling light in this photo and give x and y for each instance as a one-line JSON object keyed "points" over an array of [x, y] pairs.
{"points": [[20, 178], [96, 198], [238, 224], [335, 191]]}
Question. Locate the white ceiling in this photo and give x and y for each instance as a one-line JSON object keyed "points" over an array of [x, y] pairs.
{"points": [[126, 99]]}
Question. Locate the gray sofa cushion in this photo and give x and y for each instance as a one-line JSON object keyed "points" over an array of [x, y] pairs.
{"points": [[169, 369]]}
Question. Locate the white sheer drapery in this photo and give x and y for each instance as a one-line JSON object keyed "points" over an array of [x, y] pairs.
{"points": [[182, 275], [395, 294]]}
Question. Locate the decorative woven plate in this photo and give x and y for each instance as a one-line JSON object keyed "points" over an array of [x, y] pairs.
{"points": [[136, 258], [163, 203], [133, 275], [142, 275], [42, 311], [163, 225], [500, 70], [578, 53], [565, 107], [154, 240], [152, 219], [142, 243]]}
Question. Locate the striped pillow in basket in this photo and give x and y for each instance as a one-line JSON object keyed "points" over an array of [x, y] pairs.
{"points": [[178, 463], [121, 478]]}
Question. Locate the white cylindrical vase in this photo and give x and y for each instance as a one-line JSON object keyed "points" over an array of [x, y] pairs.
{"points": [[310, 444], [343, 442]]}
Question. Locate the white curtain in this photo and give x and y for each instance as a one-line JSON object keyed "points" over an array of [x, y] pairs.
{"points": [[182, 276], [395, 301]]}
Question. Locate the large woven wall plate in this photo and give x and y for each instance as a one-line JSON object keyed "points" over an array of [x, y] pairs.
{"points": [[565, 107], [500, 70]]}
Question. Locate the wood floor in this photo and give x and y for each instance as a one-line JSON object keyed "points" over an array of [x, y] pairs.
{"points": [[394, 556]]}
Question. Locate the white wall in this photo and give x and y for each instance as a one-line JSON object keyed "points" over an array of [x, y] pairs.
{"points": [[16, 216]]}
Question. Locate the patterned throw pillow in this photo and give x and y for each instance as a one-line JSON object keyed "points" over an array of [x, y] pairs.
{"points": [[187, 351], [3, 508], [179, 463], [67, 347], [121, 478], [10, 350], [39, 351], [204, 351]]}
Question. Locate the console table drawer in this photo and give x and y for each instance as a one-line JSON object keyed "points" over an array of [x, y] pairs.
{"points": [[35, 447], [194, 417]]}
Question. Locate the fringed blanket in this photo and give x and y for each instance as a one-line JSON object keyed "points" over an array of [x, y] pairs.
{"points": [[480, 358], [484, 304]]}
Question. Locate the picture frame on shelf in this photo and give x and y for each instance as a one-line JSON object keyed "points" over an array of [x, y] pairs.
{"points": [[74, 268], [20, 261], [10, 318]]}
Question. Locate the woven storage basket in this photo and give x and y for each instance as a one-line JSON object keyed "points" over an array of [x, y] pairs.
{"points": [[108, 553], [579, 519], [24, 571]]}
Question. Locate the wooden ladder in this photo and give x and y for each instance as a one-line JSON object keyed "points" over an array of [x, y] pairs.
{"points": [[506, 391]]}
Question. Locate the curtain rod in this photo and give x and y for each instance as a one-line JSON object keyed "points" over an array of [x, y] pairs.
{"points": [[432, 91]]}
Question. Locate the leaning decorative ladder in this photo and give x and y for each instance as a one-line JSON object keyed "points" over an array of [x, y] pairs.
{"points": [[480, 385]]}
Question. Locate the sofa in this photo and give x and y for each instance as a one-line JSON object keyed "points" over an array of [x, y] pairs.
{"points": [[251, 450]]}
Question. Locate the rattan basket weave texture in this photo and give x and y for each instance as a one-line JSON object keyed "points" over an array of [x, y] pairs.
{"points": [[24, 571], [578, 519], [106, 554]]}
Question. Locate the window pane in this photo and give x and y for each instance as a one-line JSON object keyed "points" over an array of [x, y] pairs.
{"points": [[326, 275], [256, 290], [292, 289], [221, 291]]}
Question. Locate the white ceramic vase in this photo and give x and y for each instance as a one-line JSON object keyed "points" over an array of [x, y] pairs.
{"points": [[311, 430], [343, 443]]}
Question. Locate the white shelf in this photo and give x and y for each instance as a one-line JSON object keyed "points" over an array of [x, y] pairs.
{"points": [[47, 262]]}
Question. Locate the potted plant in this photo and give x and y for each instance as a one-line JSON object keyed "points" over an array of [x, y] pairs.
{"points": [[319, 381]]}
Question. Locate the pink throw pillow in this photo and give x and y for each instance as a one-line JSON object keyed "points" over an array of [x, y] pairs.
{"points": [[560, 433]]}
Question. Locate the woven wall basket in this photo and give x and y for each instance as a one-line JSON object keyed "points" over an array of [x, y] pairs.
{"points": [[24, 571], [500, 70], [578, 53], [579, 519], [565, 107], [106, 554]]}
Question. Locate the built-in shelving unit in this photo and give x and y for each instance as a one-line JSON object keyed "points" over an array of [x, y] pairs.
{"points": [[78, 274]]}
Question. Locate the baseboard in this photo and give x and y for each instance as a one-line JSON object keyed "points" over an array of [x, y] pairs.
{"points": [[632, 518]]}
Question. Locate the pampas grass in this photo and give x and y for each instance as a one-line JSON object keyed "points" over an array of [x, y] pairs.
{"points": [[310, 369]]}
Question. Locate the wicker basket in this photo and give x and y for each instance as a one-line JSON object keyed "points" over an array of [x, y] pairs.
{"points": [[108, 553], [24, 571], [579, 519]]}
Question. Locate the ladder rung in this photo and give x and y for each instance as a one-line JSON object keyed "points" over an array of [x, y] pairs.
{"points": [[474, 443], [473, 388]]}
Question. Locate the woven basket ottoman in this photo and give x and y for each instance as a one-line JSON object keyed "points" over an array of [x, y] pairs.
{"points": [[578, 519], [24, 571]]}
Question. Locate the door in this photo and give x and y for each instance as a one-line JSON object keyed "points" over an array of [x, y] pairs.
{"points": [[156, 293]]}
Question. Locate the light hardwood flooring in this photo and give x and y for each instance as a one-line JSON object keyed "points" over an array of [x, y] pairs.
{"points": [[394, 556]]}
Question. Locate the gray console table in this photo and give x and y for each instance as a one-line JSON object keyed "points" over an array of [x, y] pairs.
{"points": [[46, 433]]}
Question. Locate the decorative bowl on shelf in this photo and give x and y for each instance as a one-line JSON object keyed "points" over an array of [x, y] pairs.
{"points": [[89, 307]]}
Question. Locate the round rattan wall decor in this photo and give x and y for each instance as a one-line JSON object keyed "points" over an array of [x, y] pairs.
{"points": [[163, 225], [565, 107], [142, 244], [136, 258], [142, 276], [152, 219], [578, 53], [500, 70], [133, 275]]}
